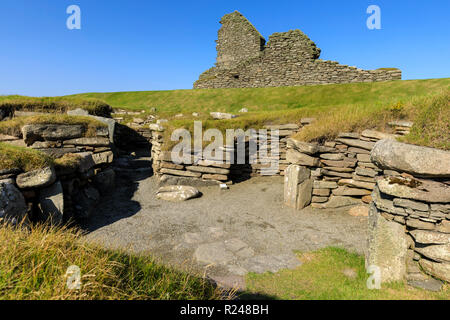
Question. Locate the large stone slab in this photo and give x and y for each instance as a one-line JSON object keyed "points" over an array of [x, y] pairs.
{"points": [[210, 170], [294, 176], [51, 203], [51, 132], [440, 253], [168, 180], [387, 247], [177, 193], [416, 160], [12, 203], [295, 157], [337, 202], [430, 237], [367, 145], [40, 178], [91, 142], [436, 269], [303, 147], [410, 188]]}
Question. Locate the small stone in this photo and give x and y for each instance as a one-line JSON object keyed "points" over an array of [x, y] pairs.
{"points": [[414, 205], [177, 193], [353, 192], [39, 178], [243, 110], [332, 156], [325, 185], [366, 172], [429, 284], [222, 116], [336, 202]]}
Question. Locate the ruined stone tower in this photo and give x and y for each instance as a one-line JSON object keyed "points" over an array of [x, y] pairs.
{"points": [[288, 59]]}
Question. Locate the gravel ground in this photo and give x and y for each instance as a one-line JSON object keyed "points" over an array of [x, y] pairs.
{"points": [[225, 233]]}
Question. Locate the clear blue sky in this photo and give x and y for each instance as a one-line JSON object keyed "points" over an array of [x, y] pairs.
{"points": [[161, 45]]}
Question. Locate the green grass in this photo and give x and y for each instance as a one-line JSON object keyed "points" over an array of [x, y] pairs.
{"points": [[271, 99], [13, 126], [54, 104], [342, 107], [34, 265], [321, 277], [22, 158]]}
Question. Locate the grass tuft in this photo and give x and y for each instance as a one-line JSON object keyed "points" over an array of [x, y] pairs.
{"points": [[34, 265], [26, 159], [54, 104]]}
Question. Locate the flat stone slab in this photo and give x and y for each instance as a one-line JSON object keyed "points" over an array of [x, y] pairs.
{"points": [[40, 178], [177, 193], [416, 160]]}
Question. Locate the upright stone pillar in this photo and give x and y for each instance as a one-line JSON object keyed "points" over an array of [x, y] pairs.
{"points": [[297, 187], [387, 247]]}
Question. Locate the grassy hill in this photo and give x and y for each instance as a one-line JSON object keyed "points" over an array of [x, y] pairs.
{"points": [[338, 108], [271, 99]]}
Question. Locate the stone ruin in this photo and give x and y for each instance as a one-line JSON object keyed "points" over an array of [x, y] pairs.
{"points": [[288, 59]]}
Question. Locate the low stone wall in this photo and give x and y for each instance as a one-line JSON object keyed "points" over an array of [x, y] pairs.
{"points": [[204, 169], [60, 193], [409, 219], [341, 170]]}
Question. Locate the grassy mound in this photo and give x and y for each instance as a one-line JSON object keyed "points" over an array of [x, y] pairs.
{"points": [[34, 265], [13, 126], [331, 274], [338, 108], [271, 99], [54, 104], [22, 158]]}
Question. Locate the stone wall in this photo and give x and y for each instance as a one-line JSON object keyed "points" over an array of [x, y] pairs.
{"points": [[407, 188], [341, 170], [209, 170], [409, 219], [61, 193], [288, 59]]}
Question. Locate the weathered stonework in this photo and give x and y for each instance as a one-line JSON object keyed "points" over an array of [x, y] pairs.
{"points": [[289, 59]]}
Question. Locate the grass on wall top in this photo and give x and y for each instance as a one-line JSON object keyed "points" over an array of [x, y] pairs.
{"points": [[54, 104], [14, 126], [25, 159]]}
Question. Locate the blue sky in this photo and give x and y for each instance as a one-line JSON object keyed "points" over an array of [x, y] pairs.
{"points": [[162, 45]]}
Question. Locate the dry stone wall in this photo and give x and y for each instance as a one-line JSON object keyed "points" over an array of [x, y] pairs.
{"points": [[407, 188], [209, 170], [410, 207], [288, 59], [341, 170], [62, 193]]}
